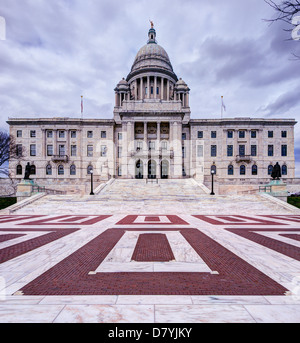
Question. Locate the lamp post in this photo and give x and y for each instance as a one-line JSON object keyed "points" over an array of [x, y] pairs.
{"points": [[212, 182], [92, 192]]}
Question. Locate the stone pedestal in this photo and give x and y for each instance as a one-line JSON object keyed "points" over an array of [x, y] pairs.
{"points": [[278, 189], [24, 190]]}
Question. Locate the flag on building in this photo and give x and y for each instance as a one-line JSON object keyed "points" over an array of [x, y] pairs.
{"points": [[81, 105], [223, 105]]}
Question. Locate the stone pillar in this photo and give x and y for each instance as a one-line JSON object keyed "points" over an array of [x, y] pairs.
{"points": [[155, 87], [168, 90], [145, 132], [162, 89], [158, 133], [187, 100], [141, 88], [148, 87], [135, 90]]}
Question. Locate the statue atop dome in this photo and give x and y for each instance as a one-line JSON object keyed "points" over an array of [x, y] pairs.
{"points": [[152, 24]]}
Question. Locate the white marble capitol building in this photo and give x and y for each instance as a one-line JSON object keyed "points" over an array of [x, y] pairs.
{"points": [[152, 135]]}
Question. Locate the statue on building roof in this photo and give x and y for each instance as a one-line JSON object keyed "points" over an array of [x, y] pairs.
{"points": [[276, 172], [152, 24]]}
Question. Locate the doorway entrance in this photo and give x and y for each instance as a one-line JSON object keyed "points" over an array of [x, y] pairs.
{"points": [[151, 169], [139, 170], [164, 169]]}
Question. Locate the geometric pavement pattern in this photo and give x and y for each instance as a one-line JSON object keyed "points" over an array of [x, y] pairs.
{"points": [[147, 242]]}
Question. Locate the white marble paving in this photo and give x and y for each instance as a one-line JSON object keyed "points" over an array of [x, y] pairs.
{"points": [[274, 313]]}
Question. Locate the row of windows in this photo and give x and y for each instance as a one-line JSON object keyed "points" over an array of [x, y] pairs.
{"points": [[49, 170], [61, 134], [253, 150], [254, 169], [241, 134]]}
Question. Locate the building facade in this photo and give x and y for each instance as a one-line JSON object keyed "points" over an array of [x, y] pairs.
{"points": [[152, 136]]}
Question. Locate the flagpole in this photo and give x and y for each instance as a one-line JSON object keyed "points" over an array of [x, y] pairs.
{"points": [[222, 107], [81, 106]]}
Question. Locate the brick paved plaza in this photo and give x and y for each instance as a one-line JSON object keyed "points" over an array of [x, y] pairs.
{"points": [[150, 267]]}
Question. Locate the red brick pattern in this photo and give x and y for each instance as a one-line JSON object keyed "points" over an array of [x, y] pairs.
{"points": [[8, 237], [292, 236], [281, 247], [236, 220], [71, 276], [9, 218], [153, 248], [67, 220], [291, 218], [174, 220], [16, 250]]}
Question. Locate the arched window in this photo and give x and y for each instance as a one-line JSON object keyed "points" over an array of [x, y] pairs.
{"points": [[49, 169], [61, 170], [89, 169], [33, 170], [284, 170], [72, 169], [254, 169], [230, 169], [19, 169], [242, 170], [213, 169], [270, 169]]}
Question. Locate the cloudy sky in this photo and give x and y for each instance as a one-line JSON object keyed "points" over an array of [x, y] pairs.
{"points": [[55, 51]]}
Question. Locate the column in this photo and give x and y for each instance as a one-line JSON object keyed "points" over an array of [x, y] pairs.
{"points": [[187, 100], [145, 132], [116, 100], [162, 89], [168, 90], [135, 90], [148, 87], [158, 132], [155, 87], [141, 88]]}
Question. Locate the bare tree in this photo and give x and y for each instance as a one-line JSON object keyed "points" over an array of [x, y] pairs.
{"points": [[9, 150], [285, 12]]}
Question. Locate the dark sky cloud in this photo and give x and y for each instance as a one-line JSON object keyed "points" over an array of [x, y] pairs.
{"points": [[58, 50]]}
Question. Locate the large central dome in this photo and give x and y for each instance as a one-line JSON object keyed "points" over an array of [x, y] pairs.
{"points": [[152, 57]]}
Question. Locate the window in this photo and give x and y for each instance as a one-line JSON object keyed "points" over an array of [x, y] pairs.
{"points": [[183, 152], [253, 134], [230, 134], [157, 90], [213, 151], [270, 134], [33, 169], [164, 145], [49, 169], [242, 170], [103, 134], [270, 169], [139, 145], [253, 150], [90, 134], [151, 145], [49, 150], [284, 170], [103, 150], [151, 90], [61, 134], [120, 171], [183, 136], [19, 170], [62, 150], [32, 134], [241, 134], [61, 170], [200, 134], [72, 170], [73, 134], [120, 136], [254, 169], [283, 134], [213, 169], [270, 150], [229, 150], [284, 150], [32, 150], [214, 134], [49, 134], [230, 169], [242, 150], [90, 151], [119, 152], [73, 150], [200, 151], [19, 133], [89, 170], [19, 150]]}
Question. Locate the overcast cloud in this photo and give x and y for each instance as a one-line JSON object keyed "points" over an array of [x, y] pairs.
{"points": [[55, 51]]}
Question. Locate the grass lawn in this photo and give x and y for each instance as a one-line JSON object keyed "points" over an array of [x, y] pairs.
{"points": [[6, 202], [295, 201]]}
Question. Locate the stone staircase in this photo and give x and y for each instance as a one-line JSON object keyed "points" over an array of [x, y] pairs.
{"points": [[183, 196]]}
